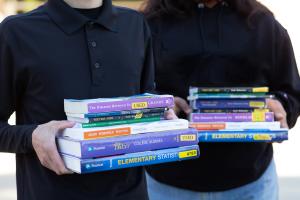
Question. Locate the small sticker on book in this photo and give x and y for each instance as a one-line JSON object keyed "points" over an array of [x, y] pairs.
{"points": [[138, 116], [139, 105], [258, 116], [265, 137], [187, 154], [261, 89], [257, 104], [191, 137]]}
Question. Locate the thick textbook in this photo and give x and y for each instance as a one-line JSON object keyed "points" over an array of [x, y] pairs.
{"points": [[228, 96], [234, 125], [195, 90], [232, 117], [230, 103], [244, 136], [127, 144], [117, 113], [118, 104], [122, 130], [116, 117], [83, 166], [117, 122]]}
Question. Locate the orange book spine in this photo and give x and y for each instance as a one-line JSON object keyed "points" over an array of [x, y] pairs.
{"points": [[107, 133], [203, 126]]}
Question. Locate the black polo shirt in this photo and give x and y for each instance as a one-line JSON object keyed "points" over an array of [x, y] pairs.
{"points": [[53, 53]]}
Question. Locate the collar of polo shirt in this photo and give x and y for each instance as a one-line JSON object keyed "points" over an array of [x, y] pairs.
{"points": [[69, 20]]}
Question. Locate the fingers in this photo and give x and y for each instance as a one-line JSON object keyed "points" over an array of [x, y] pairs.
{"points": [[182, 105], [279, 112], [61, 125], [170, 114]]}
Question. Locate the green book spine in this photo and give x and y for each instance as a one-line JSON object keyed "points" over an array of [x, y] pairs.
{"points": [[120, 122]]}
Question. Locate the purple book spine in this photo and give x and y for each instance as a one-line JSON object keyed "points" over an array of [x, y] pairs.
{"points": [[140, 103], [232, 117], [138, 143], [218, 104]]}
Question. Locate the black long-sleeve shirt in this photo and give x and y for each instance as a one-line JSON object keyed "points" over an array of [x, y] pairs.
{"points": [[53, 53], [216, 47]]}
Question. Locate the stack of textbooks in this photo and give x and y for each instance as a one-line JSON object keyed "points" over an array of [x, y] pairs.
{"points": [[234, 115], [115, 133]]}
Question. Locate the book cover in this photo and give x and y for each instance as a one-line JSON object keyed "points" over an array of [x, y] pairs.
{"points": [[118, 104], [117, 113], [127, 144], [117, 117], [117, 122], [232, 117], [83, 166], [234, 125], [122, 130], [195, 90], [235, 104], [232, 110], [244, 136]]}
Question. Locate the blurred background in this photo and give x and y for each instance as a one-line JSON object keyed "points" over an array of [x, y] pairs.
{"points": [[286, 154]]}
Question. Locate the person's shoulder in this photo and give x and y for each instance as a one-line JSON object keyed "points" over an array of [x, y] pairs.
{"points": [[15, 21], [270, 23]]}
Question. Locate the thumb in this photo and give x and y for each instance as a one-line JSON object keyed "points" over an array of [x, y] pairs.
{"points": [[183, 105], [61, 125]]}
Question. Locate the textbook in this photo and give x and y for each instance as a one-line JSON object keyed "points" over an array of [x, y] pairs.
{"points": [[118, 104], [83, 166], [117, 122], [235, 125], [229, 96], [224, 104], [231, 110], [117, 113], [244, 136], [232, 117], [122, 130], [195, 90], [116, 117], [127, 144]]}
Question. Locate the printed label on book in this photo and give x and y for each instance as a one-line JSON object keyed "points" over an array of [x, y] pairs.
{"points": [[187, 154], [188, 138], [139, 105], [262, 137], [258, 116], [256, 104]]}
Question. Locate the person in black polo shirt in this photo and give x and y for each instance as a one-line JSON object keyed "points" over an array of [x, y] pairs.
{"points": [[231, 43], [75, 49]]}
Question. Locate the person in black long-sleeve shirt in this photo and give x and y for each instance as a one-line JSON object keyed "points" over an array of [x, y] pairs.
{"points": [[57, 52], [230, 43]]}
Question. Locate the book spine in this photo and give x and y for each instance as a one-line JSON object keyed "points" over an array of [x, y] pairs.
{"points": [[138, 143], [232, 117], [123, 130], [224, 104], [242, 137], [235, 125], [119, 122], [194, 90], [228, 96], [140, 103], [125, 112], [140, 159], [249, 110], [126, 117]]}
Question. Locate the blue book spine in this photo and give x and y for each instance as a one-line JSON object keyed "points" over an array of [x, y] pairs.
{"points": [[223, 104], [138, 143], [242, 136], [140, 159]]}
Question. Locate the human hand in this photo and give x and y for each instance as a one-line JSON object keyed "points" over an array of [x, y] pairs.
{"points": [[279, 112], [43, 141], [181, 105], [170, 114]]}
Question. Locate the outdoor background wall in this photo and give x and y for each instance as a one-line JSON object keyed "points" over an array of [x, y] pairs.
{"points": [[286, 154]]}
